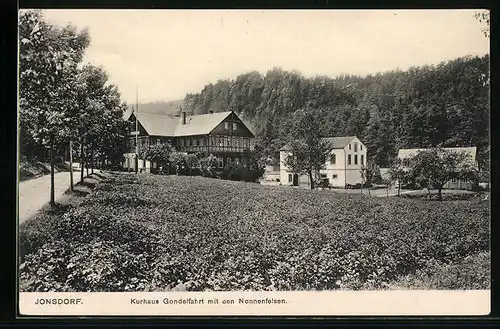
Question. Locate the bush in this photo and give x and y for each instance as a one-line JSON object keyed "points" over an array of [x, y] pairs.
{"points": [[153, 233], [240, 173], [473, 272]]}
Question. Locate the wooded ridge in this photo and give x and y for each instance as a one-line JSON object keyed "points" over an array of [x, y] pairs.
{"points": [[445, 104]]}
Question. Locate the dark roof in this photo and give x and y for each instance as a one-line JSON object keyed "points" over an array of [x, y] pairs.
{"points": [[333, 142], [169, 126]]}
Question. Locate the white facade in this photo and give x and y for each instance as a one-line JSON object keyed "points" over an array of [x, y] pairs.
{"points": [[342, 167]]}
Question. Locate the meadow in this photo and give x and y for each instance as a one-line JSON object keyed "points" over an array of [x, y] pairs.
{"points": [[158, 233]]}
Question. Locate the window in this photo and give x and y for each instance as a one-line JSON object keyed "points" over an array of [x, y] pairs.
{"points": [[235, 126], [221, 143], [226, 125], [361, 147], [158, 142], [236, 161], [362, 159], [334, 176], [323, 176], [355, 147], [290, 178], [348, 159], [453, 180], [197, 142], [212, 141], [355, 159], [228, 161], [349, 146], [181, 141], [221, 162], [333, 158]]}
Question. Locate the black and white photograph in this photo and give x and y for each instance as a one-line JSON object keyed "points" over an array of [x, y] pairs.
{"points": [[182, 152]]}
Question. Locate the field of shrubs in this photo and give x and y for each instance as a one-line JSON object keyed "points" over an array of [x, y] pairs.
{"points": [[156, 233]]}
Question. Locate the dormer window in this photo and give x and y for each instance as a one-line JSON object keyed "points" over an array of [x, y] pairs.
{"points": [[226, 125], [235, 126], [355, 147], [349, 146]]}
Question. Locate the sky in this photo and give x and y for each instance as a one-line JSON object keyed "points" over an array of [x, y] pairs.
{"points": [[168, 53]]}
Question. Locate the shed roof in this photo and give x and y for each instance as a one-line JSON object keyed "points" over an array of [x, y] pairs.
{"points": [[405, 153]]}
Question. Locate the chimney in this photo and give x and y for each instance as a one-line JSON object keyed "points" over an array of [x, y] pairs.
{"points": [[183, 117]]}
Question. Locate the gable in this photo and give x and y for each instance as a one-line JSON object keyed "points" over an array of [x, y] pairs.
{"points": [[361, 145], [241, 128]]}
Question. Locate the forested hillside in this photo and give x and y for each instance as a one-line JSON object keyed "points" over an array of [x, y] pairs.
{"points": [[170, 108], [424, 106]]}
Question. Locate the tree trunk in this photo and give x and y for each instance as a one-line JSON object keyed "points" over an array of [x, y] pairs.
{"points": [[82, 157], [71, 185], [92, 160], [399, 188], [52, 191], [439, 194], [311, 180]]}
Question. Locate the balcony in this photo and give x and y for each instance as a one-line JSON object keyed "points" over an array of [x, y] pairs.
{"points": [[212, 149]]}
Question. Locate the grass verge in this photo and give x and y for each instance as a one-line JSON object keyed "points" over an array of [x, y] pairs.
{"points": [[40, 229]]}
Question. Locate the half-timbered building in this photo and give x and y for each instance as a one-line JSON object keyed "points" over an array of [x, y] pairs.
{"points": [[222, 134]]}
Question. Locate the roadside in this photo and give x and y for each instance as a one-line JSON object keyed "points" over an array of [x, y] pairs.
{"points": [[35, 193], [35, 169], [38, 228]]}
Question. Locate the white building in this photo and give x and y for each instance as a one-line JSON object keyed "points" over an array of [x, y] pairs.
{"points": [[343, 166]]}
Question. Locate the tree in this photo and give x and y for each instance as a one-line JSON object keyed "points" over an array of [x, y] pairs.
{"points": [[435, 167], [484, 18], [308, 151], [159, 153], [398, 173], [178, 160], [48, 59], [369, 173], [208, 164]]}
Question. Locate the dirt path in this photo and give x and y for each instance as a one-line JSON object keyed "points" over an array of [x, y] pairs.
{"points": [[35, 193]]}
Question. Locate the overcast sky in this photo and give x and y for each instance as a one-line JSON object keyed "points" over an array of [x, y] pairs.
{"points": [[169, 53]]}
